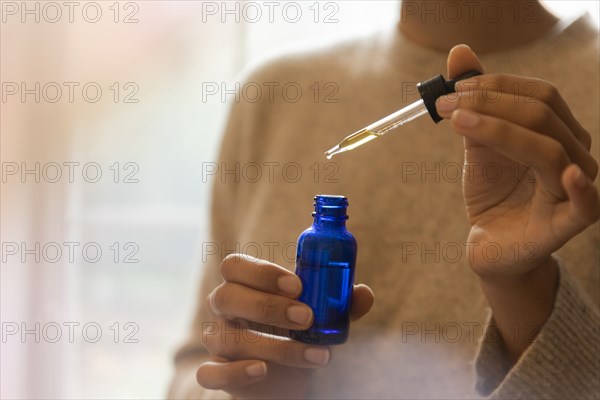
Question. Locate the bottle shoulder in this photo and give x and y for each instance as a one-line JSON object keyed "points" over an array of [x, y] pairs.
{"points": [[341, 234], [323, 246]]}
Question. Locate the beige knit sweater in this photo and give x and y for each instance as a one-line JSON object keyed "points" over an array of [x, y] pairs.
{"points": [[423, 337]]}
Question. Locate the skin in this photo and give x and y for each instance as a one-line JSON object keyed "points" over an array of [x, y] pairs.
{"points": [[533, 137], [487, 25], [264, 364], [545, 196]]}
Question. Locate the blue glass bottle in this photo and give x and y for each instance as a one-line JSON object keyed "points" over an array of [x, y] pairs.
{"points": [[325, 261]]}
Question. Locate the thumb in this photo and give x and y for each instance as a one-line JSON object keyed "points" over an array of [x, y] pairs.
{"points": [[362, 301], [462, 59]]}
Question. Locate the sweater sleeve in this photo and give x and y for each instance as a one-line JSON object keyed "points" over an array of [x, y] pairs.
{"points": [[563, 362], [225, 194]]}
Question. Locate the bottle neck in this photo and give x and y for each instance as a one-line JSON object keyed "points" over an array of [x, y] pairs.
{"points": [[328, 223], [330, 212]]}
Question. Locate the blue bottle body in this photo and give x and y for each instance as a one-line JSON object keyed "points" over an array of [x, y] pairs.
{"points": [[325, 263]]}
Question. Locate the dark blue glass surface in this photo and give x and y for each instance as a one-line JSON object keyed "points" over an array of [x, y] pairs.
{"points": [[325, 263]]}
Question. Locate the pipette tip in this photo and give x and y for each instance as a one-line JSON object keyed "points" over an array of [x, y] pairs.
{"points": [[333, 151]]}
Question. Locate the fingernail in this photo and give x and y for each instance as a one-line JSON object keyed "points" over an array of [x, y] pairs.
{"points": [[299, 314], [256, 369], [466, 119], [317, 355], [446, 104], [289, 284], [580, 179]]}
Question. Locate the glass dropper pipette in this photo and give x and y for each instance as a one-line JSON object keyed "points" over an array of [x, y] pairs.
{"points": [[430, 90]]}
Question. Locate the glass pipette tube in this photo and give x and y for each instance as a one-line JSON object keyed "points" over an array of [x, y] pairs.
{"points": [[379, 128], [430, 90]]}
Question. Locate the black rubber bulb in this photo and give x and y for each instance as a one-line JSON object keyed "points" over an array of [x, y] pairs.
{"points": [[433, 88]]}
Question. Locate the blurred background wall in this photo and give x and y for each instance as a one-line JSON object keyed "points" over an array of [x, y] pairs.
{"points": [[106, 121]]}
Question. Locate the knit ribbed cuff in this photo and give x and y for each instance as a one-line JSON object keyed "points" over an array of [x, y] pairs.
{"points": [[563, 362]]}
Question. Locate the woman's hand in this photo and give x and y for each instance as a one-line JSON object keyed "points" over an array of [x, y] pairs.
{"points": [[528, 171], [527, 185], [251, 357]]}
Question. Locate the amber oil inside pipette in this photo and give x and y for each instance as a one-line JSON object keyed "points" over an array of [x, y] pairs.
{"points": [[353, 141]]}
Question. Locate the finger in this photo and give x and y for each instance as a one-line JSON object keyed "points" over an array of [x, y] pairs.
{"points": [[533, 88], [583, 208], [524, 111], [237, 344], [260, 275], [232, 300], [462, 59], [219, 375], [545, 154], [362, 301]]}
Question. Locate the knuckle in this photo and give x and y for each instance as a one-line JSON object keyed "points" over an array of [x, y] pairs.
{"points": [[210, 342], [278, 350], [269, 307], [472, 100], [586, 139], [211, 336], [549, 94], [497, 82], [490, 93], [221, 344], [539, 116], [485, 96], [496, 129], [502, 79], [263, 273], [593, 169], [555, 156]]}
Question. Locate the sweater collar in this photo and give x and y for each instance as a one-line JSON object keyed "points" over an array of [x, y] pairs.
{"points": [[422, 62]]}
